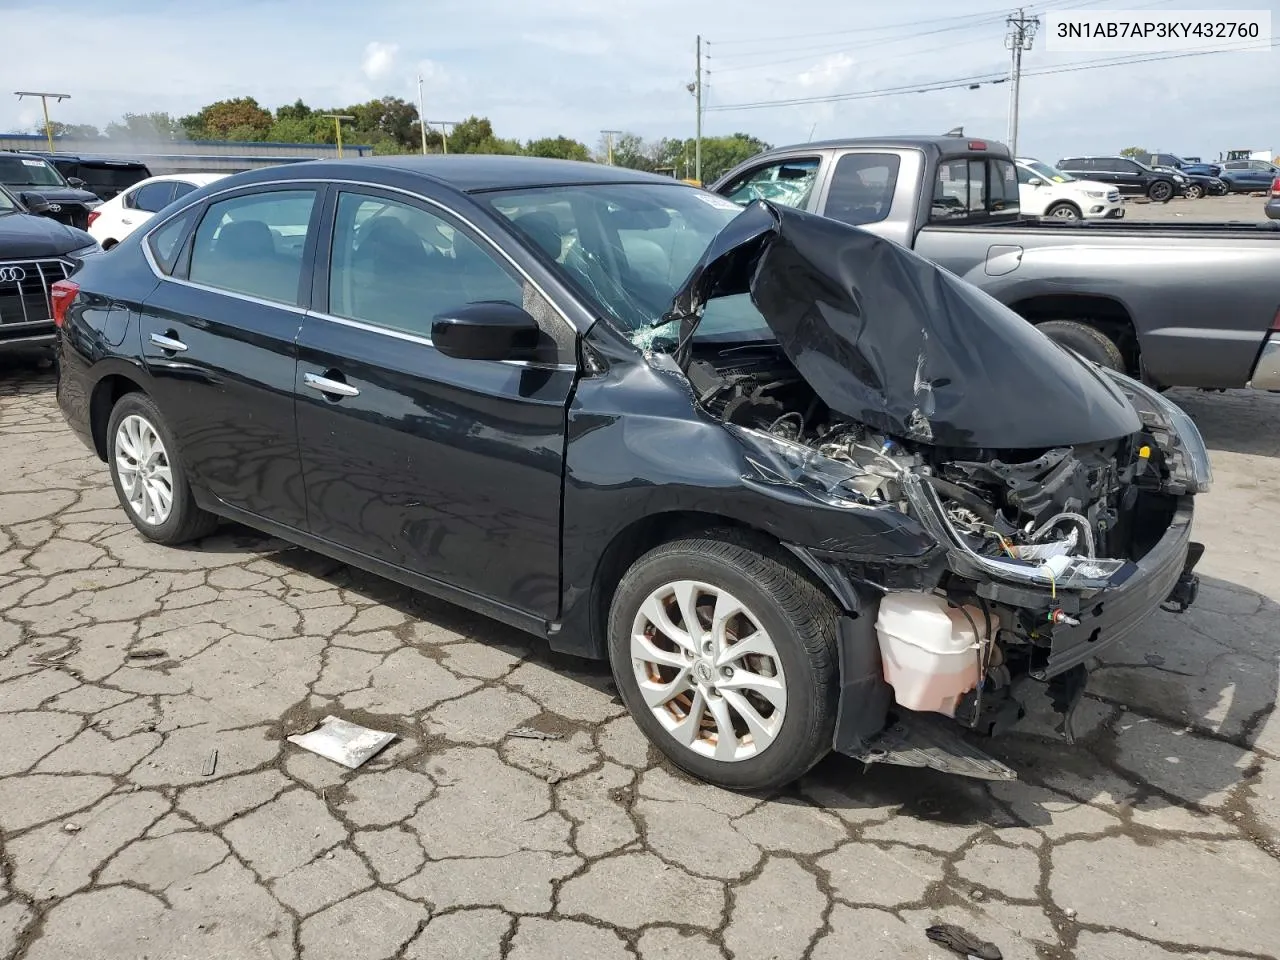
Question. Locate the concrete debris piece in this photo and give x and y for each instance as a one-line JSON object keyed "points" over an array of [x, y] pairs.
{"points": [[528, 733], [342, 741]]}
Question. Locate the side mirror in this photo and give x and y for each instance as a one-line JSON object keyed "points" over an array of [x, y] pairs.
{"points": [[35, 203], [77, 183], [489, 330], [1035, 182]]}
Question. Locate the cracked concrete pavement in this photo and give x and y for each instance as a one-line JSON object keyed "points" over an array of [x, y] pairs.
{"points": [[1154, 837]]}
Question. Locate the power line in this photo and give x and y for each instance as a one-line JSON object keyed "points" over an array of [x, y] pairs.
{"points": [[888, 26], [990, 77]]}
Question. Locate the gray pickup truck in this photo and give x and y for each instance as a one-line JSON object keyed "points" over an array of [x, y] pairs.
{"points": [[1195, 305]]}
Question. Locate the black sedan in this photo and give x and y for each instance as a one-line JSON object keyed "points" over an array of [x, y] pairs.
{"points": [[754, 458]]}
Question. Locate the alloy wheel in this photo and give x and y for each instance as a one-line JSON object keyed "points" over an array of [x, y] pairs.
{"points": [[1065, 212], [708, 670], [142, 464]]}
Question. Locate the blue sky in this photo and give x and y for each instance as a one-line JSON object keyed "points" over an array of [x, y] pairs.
{"points": [[546, 67]]}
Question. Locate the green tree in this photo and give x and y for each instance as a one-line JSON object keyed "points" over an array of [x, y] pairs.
{"points": [[560, 148], [1135, 153], [719, 155], [78, 131], [475, 135], [294, 111], [216, 121], [152, 126], [397, 119], [629, 150]]}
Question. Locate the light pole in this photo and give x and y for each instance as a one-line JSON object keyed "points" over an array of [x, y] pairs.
{"points": [[44, 102], [337, 119], [1022, 32], [422, 117], [444, 131], [608, 144]]}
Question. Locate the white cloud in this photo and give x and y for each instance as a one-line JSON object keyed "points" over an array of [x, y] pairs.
{"points": [[379, 59]]}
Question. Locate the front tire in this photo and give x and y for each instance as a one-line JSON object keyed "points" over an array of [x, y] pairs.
{"points": [[1090, 342], [150, 481], [745, 698], [1063, 211], [1194, 191], [1160, 191]]}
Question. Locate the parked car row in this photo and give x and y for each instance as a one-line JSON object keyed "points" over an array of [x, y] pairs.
{"points": [[1243, 175]]}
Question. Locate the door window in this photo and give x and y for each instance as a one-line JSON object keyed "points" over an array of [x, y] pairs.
{"points": [[398, 266], [788, 182], [862, 187], [253, 244], [153, 197], [181, 188]]}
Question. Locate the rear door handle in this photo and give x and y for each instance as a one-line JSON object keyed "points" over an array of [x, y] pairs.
{"points": [[126, 222], [334, 388], [168, 343]]}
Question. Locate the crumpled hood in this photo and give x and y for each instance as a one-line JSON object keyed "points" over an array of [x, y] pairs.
{"points": [[24, 236], [893, 341]]}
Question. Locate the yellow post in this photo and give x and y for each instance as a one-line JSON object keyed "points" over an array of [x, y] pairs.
{"points": [[44, 102], [337, 126]]}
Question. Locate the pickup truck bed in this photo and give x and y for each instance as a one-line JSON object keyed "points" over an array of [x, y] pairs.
{"points": [[1186, 305]]}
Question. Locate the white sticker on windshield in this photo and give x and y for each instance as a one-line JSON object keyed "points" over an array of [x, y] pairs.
{"points": [[717, 201], [33, 163]]}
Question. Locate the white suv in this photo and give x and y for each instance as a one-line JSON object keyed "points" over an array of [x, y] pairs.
{"points": [[130, 209], [1045, 191]]}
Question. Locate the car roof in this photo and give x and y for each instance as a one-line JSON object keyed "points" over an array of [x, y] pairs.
{"points": [[197, 178], [471, 173]]}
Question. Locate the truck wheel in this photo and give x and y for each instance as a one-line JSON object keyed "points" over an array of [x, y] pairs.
{"points": [[1063, 211], [1089, 342], [726, 657], [1194, 191], [150, 481], [1160, 191]]}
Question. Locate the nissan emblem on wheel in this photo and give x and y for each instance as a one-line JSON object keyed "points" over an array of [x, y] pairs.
{"points": [[802, 489]]}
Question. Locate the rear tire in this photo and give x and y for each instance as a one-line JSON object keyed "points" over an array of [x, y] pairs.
{"points": [[1090, 342], [1064, 211], [1160, 191], [149, 478], [684, 688]]}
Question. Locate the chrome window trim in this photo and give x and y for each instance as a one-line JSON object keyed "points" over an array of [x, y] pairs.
{"points": [[319, 183]]}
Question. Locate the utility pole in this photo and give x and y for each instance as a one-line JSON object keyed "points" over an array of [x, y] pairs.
{"points": [[44, 102], [444, 131], [608, 143], [422, 117], [1022, 32], [697, 99], [337, 119]]}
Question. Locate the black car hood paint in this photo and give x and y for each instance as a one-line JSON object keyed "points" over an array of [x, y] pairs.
{"points": [[894, 341], [24, 236], [58, 194]]}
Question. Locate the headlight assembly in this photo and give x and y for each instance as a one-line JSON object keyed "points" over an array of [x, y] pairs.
{"points": [[1184, 449]]}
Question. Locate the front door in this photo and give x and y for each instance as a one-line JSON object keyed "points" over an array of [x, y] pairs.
{"points": [[218, 338], [448, 468]]}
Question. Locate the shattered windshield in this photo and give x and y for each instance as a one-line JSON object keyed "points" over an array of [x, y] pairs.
{"points": [[629, 247]]}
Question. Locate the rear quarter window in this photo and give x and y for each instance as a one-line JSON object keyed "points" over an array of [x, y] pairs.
{"points": [[971, 187]]}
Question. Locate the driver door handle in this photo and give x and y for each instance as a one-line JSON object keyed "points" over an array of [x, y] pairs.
{"points": [[168, 343], [334, 388]]}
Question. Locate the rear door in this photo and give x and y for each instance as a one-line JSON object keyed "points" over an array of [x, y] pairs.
{"points": [[218, 336], [448, 468]]}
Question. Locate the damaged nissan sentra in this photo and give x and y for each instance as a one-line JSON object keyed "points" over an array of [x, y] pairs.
{"points": [[802, 488]]}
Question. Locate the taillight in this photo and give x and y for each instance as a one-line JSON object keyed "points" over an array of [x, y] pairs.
{"points": [[60, 296], [977, 144], [93, 215], [1275, 321], [1275, 187]]}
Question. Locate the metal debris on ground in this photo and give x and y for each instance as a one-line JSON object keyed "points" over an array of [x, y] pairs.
{"points": [[529, 733], [963, 942], [210, 765], [149, 653], [342, 741]]}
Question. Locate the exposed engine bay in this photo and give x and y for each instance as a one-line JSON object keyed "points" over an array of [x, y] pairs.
{"points": [[1037, 531]]}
